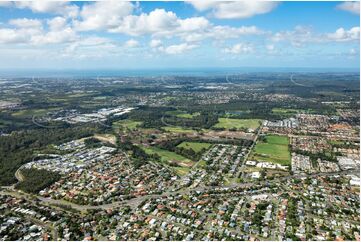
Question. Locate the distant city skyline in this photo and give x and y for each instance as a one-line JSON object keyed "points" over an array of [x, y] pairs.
{"points": [[159, 35]]}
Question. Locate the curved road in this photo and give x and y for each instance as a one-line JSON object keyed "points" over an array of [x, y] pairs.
{"points": [[296, 83]]}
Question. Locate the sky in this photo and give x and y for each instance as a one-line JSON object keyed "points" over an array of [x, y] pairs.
{"points": [[161, 35]]}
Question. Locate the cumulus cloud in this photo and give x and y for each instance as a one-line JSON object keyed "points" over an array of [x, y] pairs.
{"points": [[103, 15], [31, 31], [90, 47], [118, 17], [55, 7], [157, 21], [26, 23], [13, 36], [154, 43], [345, 35], [161, 23], [270, 47], [352, 7], [235, 10], [225, 32], [297, 37], [240, 48], [354, 52], [57, 23], [22, 32], [301, 35], [55, 37], [5, 4], [164, 28], [131, 43], [177, 49]]}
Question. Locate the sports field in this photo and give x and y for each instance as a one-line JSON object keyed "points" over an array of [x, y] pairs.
{"points": [[169, 156], [229, 123], [274, 150], [196, 146]]}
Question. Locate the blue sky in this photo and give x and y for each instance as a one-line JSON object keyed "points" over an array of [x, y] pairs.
{"points": [[141, 35]]}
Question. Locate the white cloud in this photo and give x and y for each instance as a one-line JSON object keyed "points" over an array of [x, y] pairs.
{"points": [[24, 29], [226, 32], [64, 35], [163, 28], [354, 52], [90, 47], [154, 43], [131, 43], [166, 24], [352, 7], [177, 49], [297, 37], [57, 23], [103, 15], [235, 10], [158, 21], [270, 47], [345, 35], [26, 23], [203, 5], [31, 31], [55, 7], [6, 3], [301, 35], [240, 48], [13, 36], [220, 33]]}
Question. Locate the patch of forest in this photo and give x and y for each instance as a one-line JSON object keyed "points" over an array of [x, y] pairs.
{"points": [[36, 180], [18, 148]]}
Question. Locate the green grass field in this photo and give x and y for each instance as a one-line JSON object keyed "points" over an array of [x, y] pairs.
{"points": [[278, 140], [290, 111], [31, 112], [182, 114], [229, 123], [202, 163], [169, 156], [181, 171], [187, 115], [285, 110], [274, 150], [177, 129], [174, 112], [196, 146], [337, 142], [130, 124]]}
